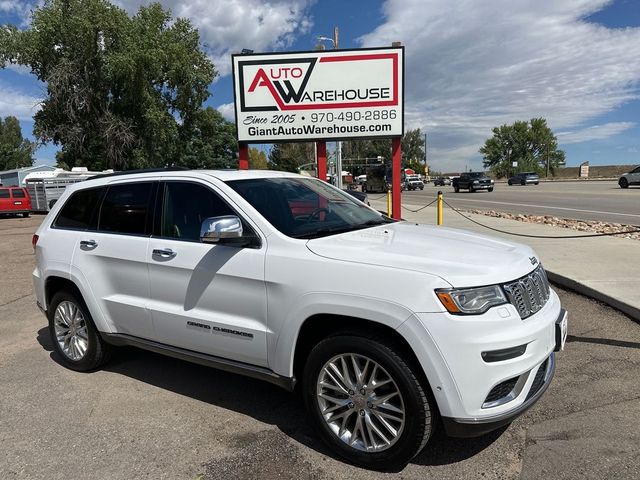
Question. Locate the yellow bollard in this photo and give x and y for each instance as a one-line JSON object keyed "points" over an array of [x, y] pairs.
{"points": [[388, 203], [439, 209]]}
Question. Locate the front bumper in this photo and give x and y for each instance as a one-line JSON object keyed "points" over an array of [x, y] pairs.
{"points": [[467, 359], [466, 428]]}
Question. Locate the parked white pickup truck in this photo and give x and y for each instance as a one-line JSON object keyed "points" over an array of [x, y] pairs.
{"points": [[290, 280]]}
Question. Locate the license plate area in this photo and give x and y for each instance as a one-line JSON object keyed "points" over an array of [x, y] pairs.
{"points": [[562, 328]]}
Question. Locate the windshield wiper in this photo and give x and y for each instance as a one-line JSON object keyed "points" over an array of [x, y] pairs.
{"points": [[323, 232]]}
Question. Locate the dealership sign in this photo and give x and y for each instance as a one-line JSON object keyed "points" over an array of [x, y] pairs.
{"points": [[319, 95]]}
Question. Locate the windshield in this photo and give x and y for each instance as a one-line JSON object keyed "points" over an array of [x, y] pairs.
{"points": [[306, 207], [476, 174]]}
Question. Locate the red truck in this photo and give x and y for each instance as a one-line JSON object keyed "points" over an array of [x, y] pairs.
{"points": [[14, 201]]}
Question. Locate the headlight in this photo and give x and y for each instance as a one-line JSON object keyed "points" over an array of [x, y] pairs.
{"points": [[471, 301], [476, 181]]}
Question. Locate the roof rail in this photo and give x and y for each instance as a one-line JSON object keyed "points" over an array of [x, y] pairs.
{"points": [[141, 170]]}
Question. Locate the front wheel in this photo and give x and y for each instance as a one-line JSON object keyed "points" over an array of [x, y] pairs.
{"points": [[490, 189], [509, 183], [366, 401], [456, 189], [624, 183]]}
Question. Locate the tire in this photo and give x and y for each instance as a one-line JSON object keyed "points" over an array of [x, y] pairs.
{"points": [[96, 351], [523, 183], [471, 190], [26, 215], [364, 188], [421, 188], [623, 182], [509, 183], [415, 425], [536, 183], [456, 189], [490, 189]]}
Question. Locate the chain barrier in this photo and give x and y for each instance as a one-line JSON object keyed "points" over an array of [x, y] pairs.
{"points": [[591, 235], [421, 208]]}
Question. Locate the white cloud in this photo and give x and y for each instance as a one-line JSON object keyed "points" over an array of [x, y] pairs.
{"points": [[596, 132], [471, 66], [16, 103], [228, 26], [228, 111]]}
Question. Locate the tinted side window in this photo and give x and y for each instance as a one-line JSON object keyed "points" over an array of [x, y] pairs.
{"points": [[185, 206], [126, 209], [4, 193], [79, 209], [18, 193]]}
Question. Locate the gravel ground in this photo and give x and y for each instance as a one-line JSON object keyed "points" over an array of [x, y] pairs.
{"points": [[579, 225]]}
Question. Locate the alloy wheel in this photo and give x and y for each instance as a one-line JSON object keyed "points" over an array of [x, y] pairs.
{"points": [[360, 402], [71, 330]]}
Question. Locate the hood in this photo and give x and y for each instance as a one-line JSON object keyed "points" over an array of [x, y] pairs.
{"points": [[462, 258]]}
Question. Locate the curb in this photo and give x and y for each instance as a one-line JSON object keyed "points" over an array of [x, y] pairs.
{"points": [[582, 289]]}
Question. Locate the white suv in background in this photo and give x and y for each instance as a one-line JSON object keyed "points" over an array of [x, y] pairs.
{"points": [[290, 280], [631, 178]]}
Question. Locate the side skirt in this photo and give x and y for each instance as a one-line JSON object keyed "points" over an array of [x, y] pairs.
{"points": [[253, 371]]}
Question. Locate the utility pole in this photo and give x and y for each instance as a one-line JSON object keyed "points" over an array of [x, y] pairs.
{"points": [[425, 153], [339, 143]]}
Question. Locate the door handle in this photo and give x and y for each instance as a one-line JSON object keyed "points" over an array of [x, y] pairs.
{"points": [[88, 243], [164, 252]]}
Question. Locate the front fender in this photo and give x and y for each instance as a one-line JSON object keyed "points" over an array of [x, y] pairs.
{"points": [[308, 305]]}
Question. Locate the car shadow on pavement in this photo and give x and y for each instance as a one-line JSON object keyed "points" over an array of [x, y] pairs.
{"points": [[260, 400], [603, 341]]}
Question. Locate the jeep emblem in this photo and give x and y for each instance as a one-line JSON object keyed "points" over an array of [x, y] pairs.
{"points": [[534, 260]]}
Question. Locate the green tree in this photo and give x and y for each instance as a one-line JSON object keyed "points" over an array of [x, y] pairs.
{"points": [[257, 159], [121, 91], [15, 151], [413, 148], [212, 143], [531, 144], [289, 156]]}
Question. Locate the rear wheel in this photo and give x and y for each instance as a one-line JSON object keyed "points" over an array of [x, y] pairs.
{"points": [[456, 189], [26, 215], [73, 333], [509, 183], [366, 401], [623, 182]]}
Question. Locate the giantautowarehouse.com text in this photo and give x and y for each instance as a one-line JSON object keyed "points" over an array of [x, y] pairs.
{"points": [[317, 130]]}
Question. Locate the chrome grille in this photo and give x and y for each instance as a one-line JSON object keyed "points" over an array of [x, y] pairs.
{"points": [[529, 293]]}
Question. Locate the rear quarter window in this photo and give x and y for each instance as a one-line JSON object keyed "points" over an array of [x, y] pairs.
{"points": [[79, 210], [4, 193]]}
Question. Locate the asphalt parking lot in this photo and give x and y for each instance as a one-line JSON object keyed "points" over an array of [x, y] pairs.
{"points": [[148, 416]]}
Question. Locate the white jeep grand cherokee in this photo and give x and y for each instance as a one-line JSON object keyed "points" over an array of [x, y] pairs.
{"points": [[387, 327]]}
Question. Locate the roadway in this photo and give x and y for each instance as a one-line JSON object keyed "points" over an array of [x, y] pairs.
{"points": [[602, 201]]}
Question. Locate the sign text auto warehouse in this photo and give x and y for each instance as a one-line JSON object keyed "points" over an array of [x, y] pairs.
{"points": [[319, 95]]}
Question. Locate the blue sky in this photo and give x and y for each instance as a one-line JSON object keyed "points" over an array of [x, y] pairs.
{"points": [[469, 65]]}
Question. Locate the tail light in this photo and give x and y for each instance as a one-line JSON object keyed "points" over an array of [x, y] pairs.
{"points": [[34, 241]]}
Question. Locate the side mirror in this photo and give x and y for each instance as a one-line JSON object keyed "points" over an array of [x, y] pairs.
{"points": [[225, 229]]}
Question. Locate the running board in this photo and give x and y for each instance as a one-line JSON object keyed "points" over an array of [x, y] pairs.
{"points": [[253, 371]]}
